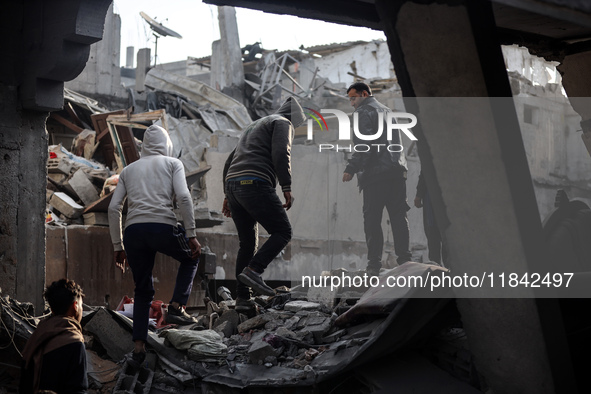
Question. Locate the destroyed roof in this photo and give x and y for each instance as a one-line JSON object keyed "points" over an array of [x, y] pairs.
{"points": [[327, 49]]}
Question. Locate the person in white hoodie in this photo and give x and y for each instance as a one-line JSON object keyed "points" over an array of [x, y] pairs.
{"points": [[151, 185]]}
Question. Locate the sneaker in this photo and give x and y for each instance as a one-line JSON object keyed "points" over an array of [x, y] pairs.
{"points": [[178, 316], [372, 271], [135, 360], [251, 279]]}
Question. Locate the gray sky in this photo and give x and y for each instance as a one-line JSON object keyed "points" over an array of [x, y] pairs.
{"points": [[198, 24]]}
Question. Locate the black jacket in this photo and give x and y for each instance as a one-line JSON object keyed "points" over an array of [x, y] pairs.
{"points": [[264, 148], [375, 165]]}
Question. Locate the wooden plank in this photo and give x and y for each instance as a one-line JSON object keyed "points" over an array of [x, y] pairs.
{"points": [[143, 117], [66, 123], [102, 204], [117, 150], [188, 111], [99, 122], [73, 115]]}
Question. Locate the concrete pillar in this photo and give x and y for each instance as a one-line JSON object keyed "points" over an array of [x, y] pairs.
{"points": [[227, 67], [143, 66], [129, 57], [102, 73], [478, 177], [23, 179], [216, 76]]}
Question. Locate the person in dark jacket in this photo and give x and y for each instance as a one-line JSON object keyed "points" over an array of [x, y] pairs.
{"points": [[261, 158], [382, 179], [54, 358], [435, 244]]}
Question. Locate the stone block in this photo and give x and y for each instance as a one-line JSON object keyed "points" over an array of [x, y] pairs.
{"points": [[116, 340], [96, 219], [292, 322], [61, 166], [229, 320], [58, 177], [83, 187], [255, 322], [285, 333], [259, 351], [64, 203], [225, 329], [318, 330], [322, 294], [296, 306]]}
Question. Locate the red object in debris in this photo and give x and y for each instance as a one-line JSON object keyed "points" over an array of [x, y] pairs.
{"points": [[124, 300], [52, 155], [156, 312]]}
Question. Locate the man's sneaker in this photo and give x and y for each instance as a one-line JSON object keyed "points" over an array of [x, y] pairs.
{"points": [[135, 360], [251, 279], [178, 316], [372, 271]]}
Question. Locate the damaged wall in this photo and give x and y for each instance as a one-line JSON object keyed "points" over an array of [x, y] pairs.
{"points": [[370, 60], [102, 74], [550, 129], [23, 153], [46, 46]]}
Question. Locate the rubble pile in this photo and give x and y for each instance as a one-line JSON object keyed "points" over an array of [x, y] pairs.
{"points": [[294, 339], [82, 176]]}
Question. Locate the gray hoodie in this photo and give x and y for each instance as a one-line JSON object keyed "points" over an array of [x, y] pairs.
{"points": [[264, 148], [150, 185]]}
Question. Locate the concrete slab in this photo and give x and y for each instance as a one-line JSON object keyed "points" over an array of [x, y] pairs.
{"points": [[116, 340]]}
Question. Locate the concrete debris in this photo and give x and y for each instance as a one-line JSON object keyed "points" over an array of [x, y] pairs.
{"points": [[96, 219], [201, 94], [66, 205], [136, 380], [83, 188], [115, 339], [296, 306], [102, 373]]}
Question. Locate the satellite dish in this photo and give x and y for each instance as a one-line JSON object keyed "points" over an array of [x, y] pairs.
{"points": [[159, 28], [159, 31]]}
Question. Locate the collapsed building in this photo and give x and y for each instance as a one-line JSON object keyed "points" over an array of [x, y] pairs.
{"points": [[339, 230]]}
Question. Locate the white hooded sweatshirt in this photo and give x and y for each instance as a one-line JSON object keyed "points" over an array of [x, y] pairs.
{"points": [[150, 185]]}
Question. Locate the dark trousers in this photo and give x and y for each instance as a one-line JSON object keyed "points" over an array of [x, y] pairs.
{"points": [[389, 194], [437, 248], [255, 202], [142, 241]]}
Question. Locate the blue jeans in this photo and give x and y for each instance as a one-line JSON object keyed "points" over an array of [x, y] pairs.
{"points": [[141, 242], [253, 202]]}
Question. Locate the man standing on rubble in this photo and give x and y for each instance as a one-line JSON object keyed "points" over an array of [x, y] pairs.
{"points": [[54, 357], [261, 158], [151, 185], [381, 177]]}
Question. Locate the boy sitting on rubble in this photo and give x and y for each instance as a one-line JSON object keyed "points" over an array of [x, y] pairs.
{"points": [[55, 357]]}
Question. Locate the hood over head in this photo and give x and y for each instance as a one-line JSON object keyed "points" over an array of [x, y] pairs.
{"points": [[156, 142], [293, 111]]}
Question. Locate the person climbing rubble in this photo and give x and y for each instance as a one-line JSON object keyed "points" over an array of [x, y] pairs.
{"points": [[150, 185], [261, 158]]}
